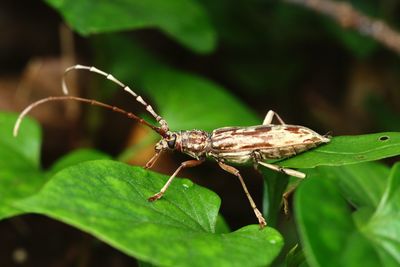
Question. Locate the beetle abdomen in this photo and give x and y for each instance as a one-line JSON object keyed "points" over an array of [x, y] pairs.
{"points": [[238, 144]]}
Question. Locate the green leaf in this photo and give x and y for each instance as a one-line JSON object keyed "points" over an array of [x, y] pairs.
{"points": [[295, 257], [384, 226], [20, 173], [184, 20], [77, 156], [109, 200], [329, 227], [344, 150], [221, 227], [185, 100], [206, 115], [362, 184], [27, 143], [326, 227], [145, 264]]}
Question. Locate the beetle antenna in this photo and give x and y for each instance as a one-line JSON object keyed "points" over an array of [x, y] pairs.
{"points": [[130, 115], [159, 119]]}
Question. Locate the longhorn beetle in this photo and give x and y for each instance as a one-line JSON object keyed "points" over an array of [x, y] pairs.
{"points": [[237, 145]]}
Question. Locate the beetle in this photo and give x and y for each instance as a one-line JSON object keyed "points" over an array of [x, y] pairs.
{"points": [[226, 146]]}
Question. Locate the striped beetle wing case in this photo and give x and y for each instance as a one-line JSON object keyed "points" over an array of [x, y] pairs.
{"points": [[245, 144]]}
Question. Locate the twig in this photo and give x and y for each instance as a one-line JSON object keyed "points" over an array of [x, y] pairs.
{"points": [[350, 18]]}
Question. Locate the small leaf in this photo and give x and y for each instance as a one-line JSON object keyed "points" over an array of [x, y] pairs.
{"points": [[27, 143], [344, 150], [384, 226], [20, 173], [295, 257], [109, 200], [184, 20], [329, 227], [328, 233]]}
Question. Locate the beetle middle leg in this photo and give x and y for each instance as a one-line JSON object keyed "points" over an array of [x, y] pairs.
{"points": [[185, 164], [283, 170], [234, 171]]}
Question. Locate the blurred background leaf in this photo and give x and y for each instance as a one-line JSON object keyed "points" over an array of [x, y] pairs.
{"points": [[369, 234], [178, 95], [184, 20], [20, 174]]}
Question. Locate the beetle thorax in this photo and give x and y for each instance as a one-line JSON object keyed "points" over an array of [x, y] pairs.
{"points": [[195, 143]]}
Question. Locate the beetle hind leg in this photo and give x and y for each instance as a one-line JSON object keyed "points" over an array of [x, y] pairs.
{"points": [[234, 171], [291, 188], [270, 116], [285, 198]]}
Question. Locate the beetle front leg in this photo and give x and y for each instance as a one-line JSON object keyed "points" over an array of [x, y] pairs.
{"points": [[270, 116], [153, 160], [234, 171], [186, 164]]}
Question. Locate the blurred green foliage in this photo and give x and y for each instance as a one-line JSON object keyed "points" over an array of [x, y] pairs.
{"points": [[193, 29], [367, 236]]}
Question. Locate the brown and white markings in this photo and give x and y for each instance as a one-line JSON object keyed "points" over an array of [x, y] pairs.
{"points": [[227, 145]]}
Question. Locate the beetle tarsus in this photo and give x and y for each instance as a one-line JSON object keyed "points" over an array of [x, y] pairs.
{"points": [[155, 197], [261, 221]]}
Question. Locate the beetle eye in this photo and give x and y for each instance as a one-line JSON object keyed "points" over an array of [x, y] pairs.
{"points": [[171, 143]]}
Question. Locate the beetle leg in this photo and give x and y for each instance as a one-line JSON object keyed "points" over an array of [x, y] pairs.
{"points": [[234, 171], [283, 170], [256, 157], [270, 116], [285, 197], [185, 164], [153, 160]]}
